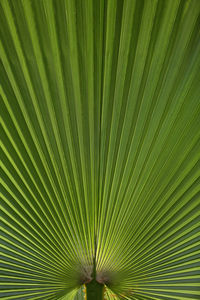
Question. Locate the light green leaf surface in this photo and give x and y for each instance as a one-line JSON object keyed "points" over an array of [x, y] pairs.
{"points": [[100, 114]]}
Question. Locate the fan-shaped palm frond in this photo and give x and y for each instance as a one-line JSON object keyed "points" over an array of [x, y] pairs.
{"points": [[100, 104]]}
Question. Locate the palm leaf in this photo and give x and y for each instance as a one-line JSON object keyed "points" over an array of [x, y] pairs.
{"points": [[100, 148]]}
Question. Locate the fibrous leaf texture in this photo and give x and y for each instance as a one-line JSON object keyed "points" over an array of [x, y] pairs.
{"points": [[100, 114]]}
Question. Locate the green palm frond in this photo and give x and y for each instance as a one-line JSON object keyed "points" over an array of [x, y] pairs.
{"points": [[100, 106]]}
